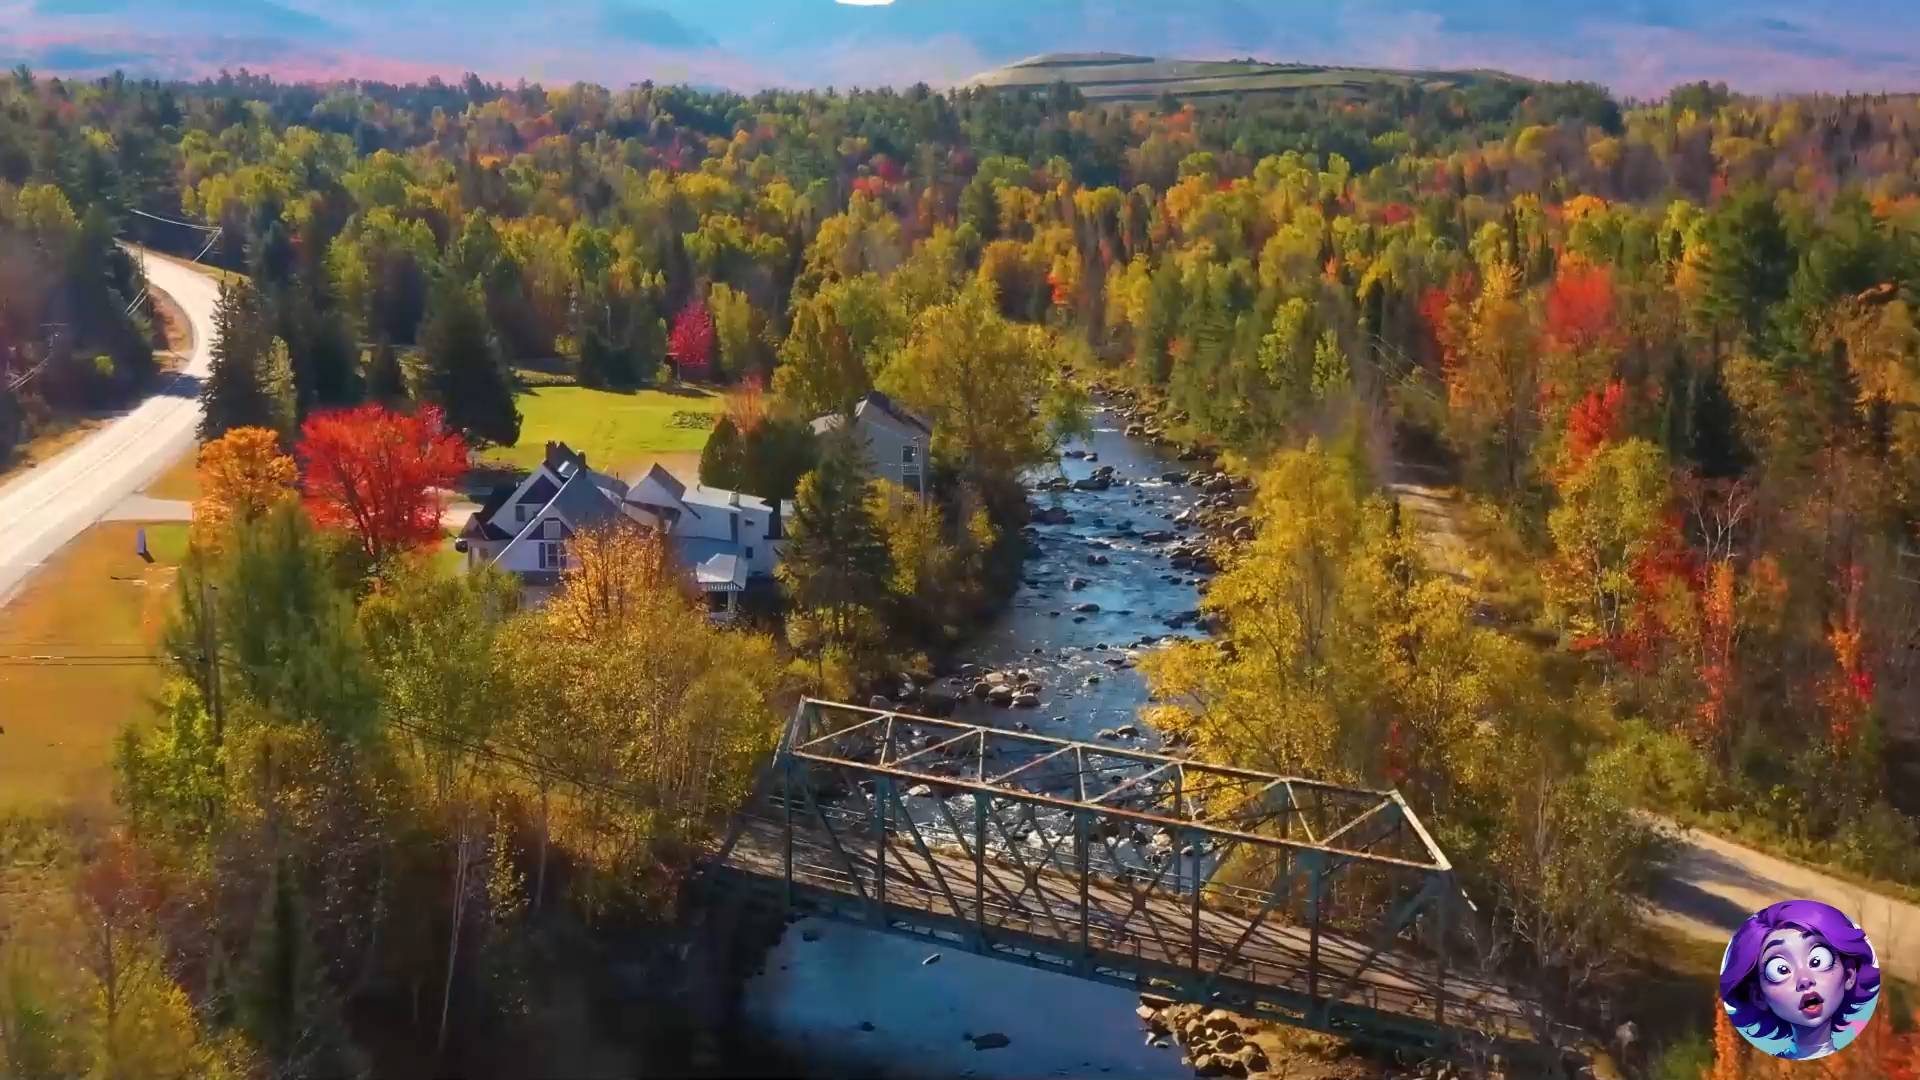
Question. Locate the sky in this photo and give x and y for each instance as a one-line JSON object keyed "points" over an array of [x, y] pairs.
{"points": [[1635, 47]]}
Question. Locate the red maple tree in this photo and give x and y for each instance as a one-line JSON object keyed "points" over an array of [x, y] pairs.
{"points": [[376, 474], [1596, 420], [691, 343], [1580, 308]]}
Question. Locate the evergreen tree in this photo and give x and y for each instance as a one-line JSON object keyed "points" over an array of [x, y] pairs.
{"points": [[278, 389], [465, 375], [1749, 261], [776, 454], [281, 997], [386, 383], [835, 563], [234, 394], [723, 459]]}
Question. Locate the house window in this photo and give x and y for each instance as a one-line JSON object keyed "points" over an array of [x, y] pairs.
{"points": [[749, 554], [553, 555], [909, 454], [521, 512]]}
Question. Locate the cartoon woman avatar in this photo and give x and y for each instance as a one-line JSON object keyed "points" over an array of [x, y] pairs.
{"points": [[1799, 979]]}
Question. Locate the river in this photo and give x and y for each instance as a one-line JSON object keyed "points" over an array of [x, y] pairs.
{"points": [[854, 1001]]}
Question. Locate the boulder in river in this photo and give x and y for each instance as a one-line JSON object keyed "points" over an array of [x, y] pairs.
{"points": [[1175, 478], [1093, 483], [1001, 695], [919, 791], [992, 1040], [1157, 536], [1052, 515], [1026, 700], [1097, 559], [1086, 609], [1076, 584]]}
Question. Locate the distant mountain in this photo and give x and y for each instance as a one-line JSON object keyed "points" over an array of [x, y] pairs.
{"points": [[1124, 77]]}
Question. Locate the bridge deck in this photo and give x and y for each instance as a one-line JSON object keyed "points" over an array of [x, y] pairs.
{"points": [[1028, 905]]}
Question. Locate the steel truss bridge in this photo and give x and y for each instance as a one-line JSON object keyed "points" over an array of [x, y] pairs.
{"points": [[1320, 905]]}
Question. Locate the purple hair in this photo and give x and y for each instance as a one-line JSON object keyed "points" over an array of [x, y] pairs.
{"points": [[1739, 982]]}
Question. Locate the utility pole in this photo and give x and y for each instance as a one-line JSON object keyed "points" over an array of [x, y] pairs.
{"points": [[210, 656]]}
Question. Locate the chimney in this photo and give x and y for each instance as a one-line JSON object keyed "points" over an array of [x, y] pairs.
{"points": [[733, 498]]}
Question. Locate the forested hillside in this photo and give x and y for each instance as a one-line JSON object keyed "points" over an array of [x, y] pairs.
{"points": [[1667, 354]]}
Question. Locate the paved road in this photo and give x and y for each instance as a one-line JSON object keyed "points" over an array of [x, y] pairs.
{"points": [[1713, 884], [56, 500]]}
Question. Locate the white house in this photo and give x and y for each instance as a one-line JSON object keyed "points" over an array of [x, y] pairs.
{"points": [[724, 539], [727, 539], [895, 440]]}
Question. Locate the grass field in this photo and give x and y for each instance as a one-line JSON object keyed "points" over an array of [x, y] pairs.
{"points": [[96, 598], [619, 433]]}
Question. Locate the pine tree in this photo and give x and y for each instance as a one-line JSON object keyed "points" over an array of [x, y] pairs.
{"points": [[465, 375], [723, 459], [835, 562], [234, 395], [386, 383], [281, 997], [277, 388]]}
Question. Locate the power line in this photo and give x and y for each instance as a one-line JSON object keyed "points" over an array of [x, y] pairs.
{"points": [[172, 221]]}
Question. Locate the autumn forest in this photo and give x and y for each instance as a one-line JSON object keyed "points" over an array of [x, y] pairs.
{"points": [[1663, 358]]}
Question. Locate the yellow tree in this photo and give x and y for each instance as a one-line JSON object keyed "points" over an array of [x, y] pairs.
{"points": [[977, 376], [1264, 690], [242, 474], [1492, 386], [1609, 519], [654, 715]]}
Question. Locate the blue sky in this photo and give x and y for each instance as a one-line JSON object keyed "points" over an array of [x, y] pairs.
{"points": [[1639, 47]]}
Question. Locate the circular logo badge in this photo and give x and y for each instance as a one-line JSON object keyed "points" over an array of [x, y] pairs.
{"points": [[1799, 979]]}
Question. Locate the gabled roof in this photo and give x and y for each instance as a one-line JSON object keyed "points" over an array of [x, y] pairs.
{"points": [[541, 490], [480, 524], [579, 503], [886, 405], [666, 480], [876, 404]]}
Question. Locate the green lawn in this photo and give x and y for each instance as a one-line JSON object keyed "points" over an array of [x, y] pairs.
{"points": [[619, 433], [74, 640]]}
